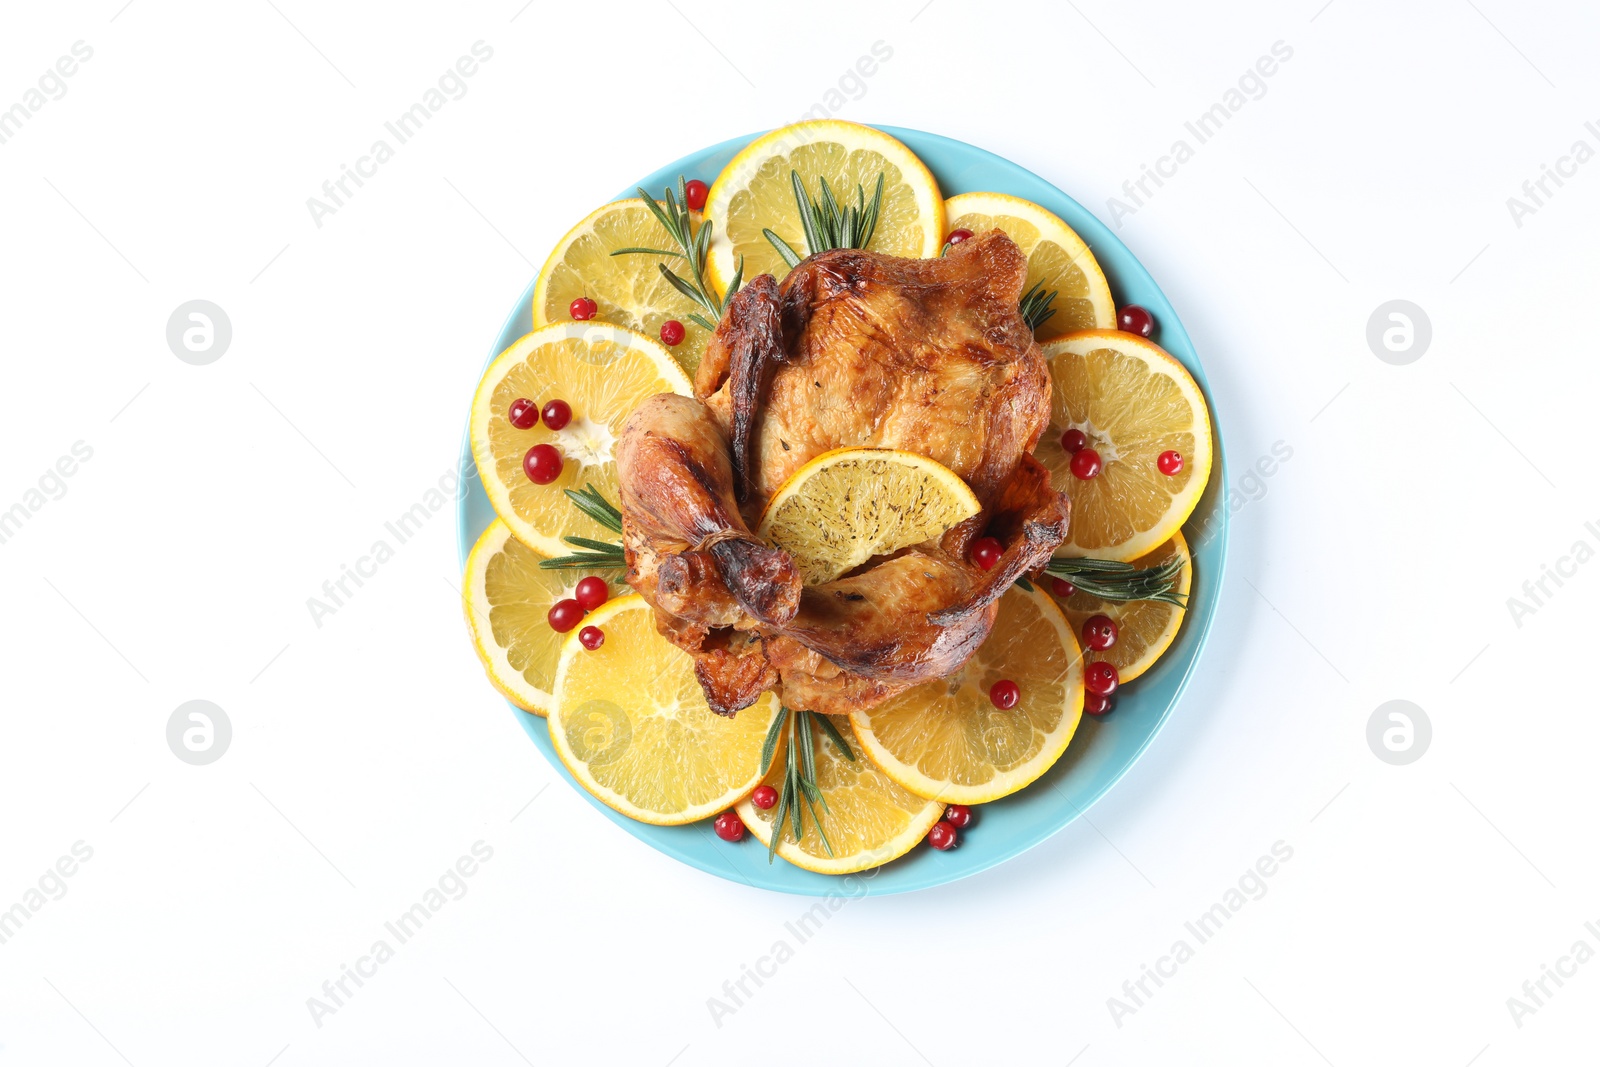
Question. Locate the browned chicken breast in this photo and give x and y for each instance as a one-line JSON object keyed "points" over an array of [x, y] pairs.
{"points": [[853, 349]]}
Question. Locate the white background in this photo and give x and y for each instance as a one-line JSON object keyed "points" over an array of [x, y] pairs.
{"points": [[368, 754]]}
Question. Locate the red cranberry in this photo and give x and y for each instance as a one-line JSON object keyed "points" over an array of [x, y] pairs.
{"points": [[591, 637], [1101, 678], [1099, 632], [1062, 588], [592, 592], [694, 195], [1086, 463], [729, 827], [957, 236], [1004, 694], [986, 552], [542, 464], [764, 797], [564, 615], [1135, 319], [523, 414], [1097, 704], [583, 309], [557, 414], [1169, 462], [672, 333], [1074, 441], [958, 815], [943, 836]]}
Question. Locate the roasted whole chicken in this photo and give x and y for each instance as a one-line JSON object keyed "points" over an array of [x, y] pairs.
{"points": [[852, 349]]}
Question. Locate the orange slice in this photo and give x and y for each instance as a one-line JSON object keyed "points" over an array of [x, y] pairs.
{"points": [[1133, 402]]}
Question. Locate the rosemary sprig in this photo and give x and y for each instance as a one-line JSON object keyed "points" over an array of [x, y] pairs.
{"points": [[599, 557], [692, 246], [596, 555], [798, 792], [826, 224], [593, 503], [1110, 580], [1035, 306]]}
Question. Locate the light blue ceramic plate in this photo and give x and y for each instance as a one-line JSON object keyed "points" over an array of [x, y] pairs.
{"points": [[1102, 750]]}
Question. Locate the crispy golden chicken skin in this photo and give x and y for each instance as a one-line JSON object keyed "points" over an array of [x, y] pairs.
{"points": [[853, 349]]}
